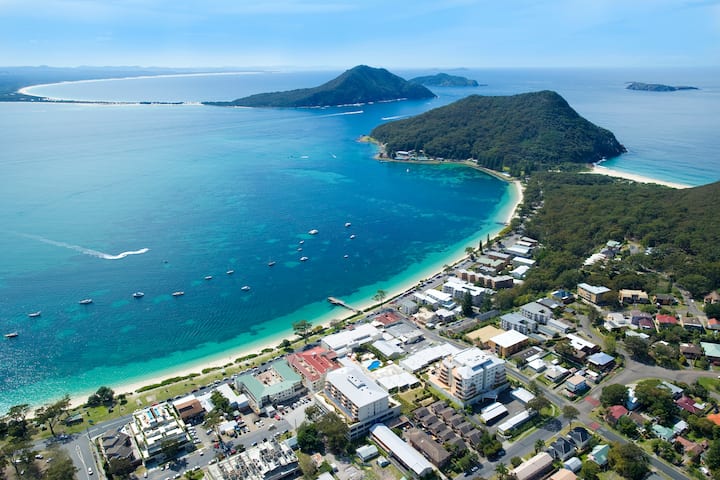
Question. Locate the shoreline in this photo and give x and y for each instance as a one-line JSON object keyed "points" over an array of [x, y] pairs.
{"points": [[601, 170], [221, 359]]}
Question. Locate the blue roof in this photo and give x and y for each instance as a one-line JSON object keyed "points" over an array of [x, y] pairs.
{"points": [[600, 358]]}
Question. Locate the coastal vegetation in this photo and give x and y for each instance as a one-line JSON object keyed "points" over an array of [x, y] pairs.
{"points": [[445, 80], [656, 87], [519, 133], [361, 84]]}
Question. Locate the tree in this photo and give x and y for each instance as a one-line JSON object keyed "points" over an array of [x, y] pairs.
{"points": [[467, 305], [628, 460], [712, 456], [51, 414], [533, 387], [570, 412], [308, 438], [220, 402], [502, 471], [170, 448], [103, 396], [302, 328], [380, 296], [627, 427], [539, 445], [307, 466], [614, 394], [121, 467], [637, 347], [334, 432], [61, 468], [657, 401], [18, 427], [590, 470], [538, 403], [470, 251], [610, 345]]}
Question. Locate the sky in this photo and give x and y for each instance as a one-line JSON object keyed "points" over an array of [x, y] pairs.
{"points": [[343, 33]]}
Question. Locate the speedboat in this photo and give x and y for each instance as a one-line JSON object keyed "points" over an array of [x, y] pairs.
{"points": [[304, 259], [138, 294], [302, 241], [347, 224], [230, 272], [245, 288], [11, 335], [352, 236], [271, 263], [313, 232], [299, 249], [86, 301], [178, 294], [208, 277], [346, 256], [35, 314]]}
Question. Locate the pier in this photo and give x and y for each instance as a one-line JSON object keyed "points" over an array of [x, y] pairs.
{"points": [[340, 303]]}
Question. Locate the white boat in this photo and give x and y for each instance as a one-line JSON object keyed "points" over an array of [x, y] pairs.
{"points": [[352, 236], [302, 241], [313, 232], [138, 294], [86, 301], [11, 335], [178, 294], [299, 249], [208, 277], [346, 256], [304, 259], [230, 272], [347, 224], [245, 288], [271, 263], [34, 314]]}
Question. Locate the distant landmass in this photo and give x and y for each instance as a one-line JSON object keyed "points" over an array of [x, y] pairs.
{"points": [[361, 84], [445, 80], [522, 132], [656, 87]]}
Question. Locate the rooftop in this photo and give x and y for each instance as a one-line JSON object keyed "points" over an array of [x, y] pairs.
{"points": [[509, 338], [596, 290], [360, 389], [314, 363]]}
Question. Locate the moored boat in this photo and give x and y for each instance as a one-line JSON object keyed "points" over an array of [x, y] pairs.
{"points": [[34, 314], [11, 335], [245, 288], [208, 277], [230, 272], [347, 224], [352, 236], [304, 259], [313, 232], [85, 301], [178, 293], [138, 294], [271, 263]]}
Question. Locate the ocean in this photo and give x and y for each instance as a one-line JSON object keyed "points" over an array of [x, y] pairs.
{"points": [[86, 188]]}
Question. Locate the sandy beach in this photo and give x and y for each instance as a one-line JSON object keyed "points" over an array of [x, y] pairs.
{"points": [[601, 170], [392, 292]]}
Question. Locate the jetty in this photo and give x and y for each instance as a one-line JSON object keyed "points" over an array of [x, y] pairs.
{"points": [[340, 303]]}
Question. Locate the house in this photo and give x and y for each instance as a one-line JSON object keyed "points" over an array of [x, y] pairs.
{"points": [[680, 427], [579, 437], [637, 315], [674, 390], [663, 433], [646, 324], [430, 449], [563, 474], [689, 405], [367, 452], [576, 384], [690, 448], [629, 297], [713, 324], [632, 400], [601, 362], [665, 321], [690, 351], [594, 294], [563, 296], [614, 413], [387, 318], [561, 449], [712, 298], [533, 468], [188, 408], [599, 454], [556, 373], [692, 323], [582, 345], [116, 445], [664, 299], [573, 464]]}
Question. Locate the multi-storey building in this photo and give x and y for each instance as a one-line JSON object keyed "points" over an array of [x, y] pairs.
{"points": [[467, 375]]}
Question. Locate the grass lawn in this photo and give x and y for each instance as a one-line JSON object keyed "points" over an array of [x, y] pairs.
{"points": [[414, 396], [710, 383]]}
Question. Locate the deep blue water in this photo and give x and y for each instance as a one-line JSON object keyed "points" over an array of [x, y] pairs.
{"points": [[210, 189]]}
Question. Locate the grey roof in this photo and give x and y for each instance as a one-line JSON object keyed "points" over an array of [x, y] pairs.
{"points": [[259, 390], [360, 389], [600, 358]]}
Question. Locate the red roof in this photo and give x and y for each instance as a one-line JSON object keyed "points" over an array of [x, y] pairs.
{"points": [[688, 404], [314, 363], [616, 411], [713, 322], [388, 318], [646, 323], [689, 446], [666, 319]]}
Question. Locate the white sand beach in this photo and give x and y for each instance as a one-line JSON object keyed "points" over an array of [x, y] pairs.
{"points": [[601, 170]]}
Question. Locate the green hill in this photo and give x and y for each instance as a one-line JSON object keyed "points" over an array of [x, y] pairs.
{"points": [[445, 80], [361, 84], [530, 130]]}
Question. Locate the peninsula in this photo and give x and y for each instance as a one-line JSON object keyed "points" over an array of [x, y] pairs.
{"points": [[445, 80], [657, 87], [361, 84], [519, 133]]}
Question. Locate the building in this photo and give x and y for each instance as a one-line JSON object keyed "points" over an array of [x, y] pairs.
{"points": [[407, 306], [507, 427], [423, 358], [387, 318], [430, 449], [692, 323], [614, 413], [508, 343], [665, 321], [601, 362], [118, 445], [367, 452], [268, 461], [561, 449], [351, 338], [582, 345], [579, 437], [276, 384], [522, 395], [493, 412], [576, 384], [402, 451], [153, 426], [482, 335], [515, 321], [712, 298], [664, 299], [599, 454], [630, 297], [468, 374], [458, 288], [536, 312], [361, 402], [594, 294], [240, 402], [563, 296], [563, 474], [535, 467], [313, 364], [188, 408]]}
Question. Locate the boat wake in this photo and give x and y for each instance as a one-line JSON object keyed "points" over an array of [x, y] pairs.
{"points": [[354, 112], [83, 250]]}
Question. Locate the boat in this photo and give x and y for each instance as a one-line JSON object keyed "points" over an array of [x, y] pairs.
{"points": [[299, 249], [271, 263], [313, 232], [347, 224], [352, 236], [302, 241], [11, 335], [34, 314], [138, 294], [85, 301], [178, 294], [245, 288], [304, 259], [346, 256], [230, 272], [208, 277]]}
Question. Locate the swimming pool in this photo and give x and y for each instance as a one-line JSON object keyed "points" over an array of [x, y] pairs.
{"points": [[374, 365]]}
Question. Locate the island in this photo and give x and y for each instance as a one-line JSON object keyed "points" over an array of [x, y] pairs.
{"points": [[445, 80], [517, 133], [359, 85], [657, 87]]}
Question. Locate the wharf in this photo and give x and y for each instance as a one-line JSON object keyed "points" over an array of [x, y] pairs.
{"points": [[340, 303]]}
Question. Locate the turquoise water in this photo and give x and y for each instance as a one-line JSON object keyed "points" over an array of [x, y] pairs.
{"points": [[210, 189]]}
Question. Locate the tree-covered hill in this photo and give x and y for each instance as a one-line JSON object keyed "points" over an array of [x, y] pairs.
{"points": [[578, 213], [361, 84], [530, 131], [445, 80]]}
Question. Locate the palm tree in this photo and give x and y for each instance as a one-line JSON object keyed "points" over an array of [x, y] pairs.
{"points": [[539, 445], [502, 470], [302, 328], [380, 296]]}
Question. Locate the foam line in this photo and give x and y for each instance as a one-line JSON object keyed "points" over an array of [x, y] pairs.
{"points": [[83, 250]]}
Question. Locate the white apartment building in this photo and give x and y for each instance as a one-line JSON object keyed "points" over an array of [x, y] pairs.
{"points": [[153, 426], [468, 374]]}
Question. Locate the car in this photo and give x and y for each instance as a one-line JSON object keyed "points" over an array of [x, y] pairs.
{"points": [[209, 431], [50, 459], [90, 472], [39, 457], [254, 444]]}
